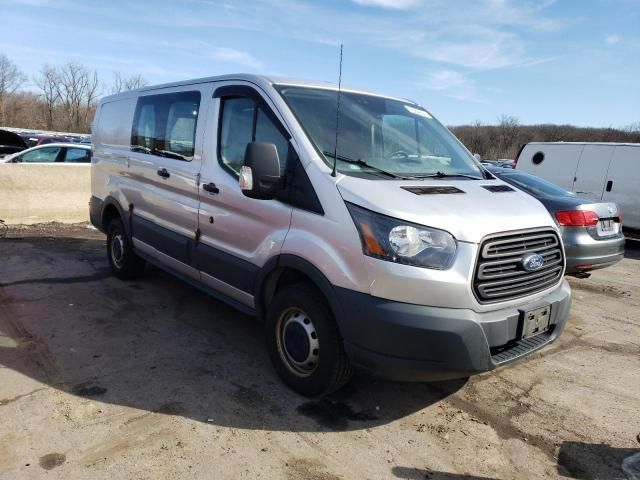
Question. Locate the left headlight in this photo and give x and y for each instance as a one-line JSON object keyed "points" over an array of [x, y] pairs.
{"points": [[398, 241]]}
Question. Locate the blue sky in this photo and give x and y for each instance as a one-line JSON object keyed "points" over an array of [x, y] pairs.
{"points": [[564, 61]]}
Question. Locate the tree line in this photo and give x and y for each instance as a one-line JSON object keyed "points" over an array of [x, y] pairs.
{"points": [[504, 139], [65, 96], [65, 99]]}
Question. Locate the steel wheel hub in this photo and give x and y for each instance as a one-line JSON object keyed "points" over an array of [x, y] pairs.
{"points": [[298, 342]]}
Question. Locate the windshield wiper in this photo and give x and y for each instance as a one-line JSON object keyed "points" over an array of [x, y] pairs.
{"points": [[362, 163], [448, 175]]}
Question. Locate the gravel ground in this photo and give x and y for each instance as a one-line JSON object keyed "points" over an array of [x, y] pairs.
{"points": [[101, 378]]}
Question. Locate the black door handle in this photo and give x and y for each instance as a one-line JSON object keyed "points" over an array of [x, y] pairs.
{"points": [[211, 188], [609, 185], [163, 173]]}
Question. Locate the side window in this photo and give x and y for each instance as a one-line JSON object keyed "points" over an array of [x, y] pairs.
{"points": [[165, 125], [77, 155], [267, 132], [41, 155], [243, 122], [236, 131]]}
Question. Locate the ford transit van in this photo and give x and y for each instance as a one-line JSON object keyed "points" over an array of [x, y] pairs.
{"points": [[376, 242]]}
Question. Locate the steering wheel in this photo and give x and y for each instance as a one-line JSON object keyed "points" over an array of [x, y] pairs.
{"points": [[403, 157]]}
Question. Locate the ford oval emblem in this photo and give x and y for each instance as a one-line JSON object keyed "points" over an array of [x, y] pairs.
{"points": [[532, 262]]}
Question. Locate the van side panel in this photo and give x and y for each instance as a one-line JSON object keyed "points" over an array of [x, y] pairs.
{"points": [[110, 160], [624, 175], [558, 165], [592, 171]]}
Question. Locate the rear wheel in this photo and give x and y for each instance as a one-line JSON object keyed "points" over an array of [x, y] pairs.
{"points": [[304, 343], [123, 261]]}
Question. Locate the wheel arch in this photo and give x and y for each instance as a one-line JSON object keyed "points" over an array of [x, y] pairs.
{"points": [[287, 269], [111, 209]]}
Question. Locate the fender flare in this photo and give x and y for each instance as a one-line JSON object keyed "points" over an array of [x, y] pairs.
{"points": [[266, 280], [124, 214]]}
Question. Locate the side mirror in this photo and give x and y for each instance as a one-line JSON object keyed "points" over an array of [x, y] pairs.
{"points": [[477, 156], [260, 172]]}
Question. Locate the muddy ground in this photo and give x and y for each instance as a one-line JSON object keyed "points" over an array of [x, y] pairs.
{"points": [[150, 379]]}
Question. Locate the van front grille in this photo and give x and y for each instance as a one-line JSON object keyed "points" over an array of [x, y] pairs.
{"points": [[500, 274]]}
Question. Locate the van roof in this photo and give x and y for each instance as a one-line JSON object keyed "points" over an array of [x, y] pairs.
{"points": [[585, 143], [259, 80]]}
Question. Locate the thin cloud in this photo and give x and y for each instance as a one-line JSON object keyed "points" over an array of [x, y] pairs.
{"points": [[231, 55], [612, 39], [453, 84], [388, 4]]}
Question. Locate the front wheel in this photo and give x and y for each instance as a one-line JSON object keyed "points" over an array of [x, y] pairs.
{"points": [[123, 261], [304, 343]]}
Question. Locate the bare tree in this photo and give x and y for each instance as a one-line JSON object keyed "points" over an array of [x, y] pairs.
{"points": [[507, 134], [121, 84], [48, 82], [11, 78], [77, 88]]}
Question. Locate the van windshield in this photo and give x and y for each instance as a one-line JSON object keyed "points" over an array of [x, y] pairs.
{"points": [[378, 136]]}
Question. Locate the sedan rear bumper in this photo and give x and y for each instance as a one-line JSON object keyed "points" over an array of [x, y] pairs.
{"points": [[585, 253]]}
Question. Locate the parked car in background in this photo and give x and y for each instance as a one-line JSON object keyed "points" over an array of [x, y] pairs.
{"points": [[505, 163], [591, 231], [498, 163], [29, 138], [52, 153], [10, 143], [597, 171], [46, 139]]}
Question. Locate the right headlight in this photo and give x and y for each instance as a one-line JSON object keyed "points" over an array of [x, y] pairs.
{"points": [[403, 242]]}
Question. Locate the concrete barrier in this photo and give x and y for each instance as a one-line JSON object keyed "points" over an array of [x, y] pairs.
{"points": [[40, 193]]}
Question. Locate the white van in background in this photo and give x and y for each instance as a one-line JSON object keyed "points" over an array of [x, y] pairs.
{"points": [[600, 171]]}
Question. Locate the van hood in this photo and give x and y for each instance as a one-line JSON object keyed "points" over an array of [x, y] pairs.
{"points": [[469, 216]]}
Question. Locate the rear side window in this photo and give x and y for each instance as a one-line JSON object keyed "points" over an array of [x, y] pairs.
{"points": [[242, 122], [77, 155], [41, 155], [165, 125]]}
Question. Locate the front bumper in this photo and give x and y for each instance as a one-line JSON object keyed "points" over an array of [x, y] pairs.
{"points": [[408, 342], [581, 249]]}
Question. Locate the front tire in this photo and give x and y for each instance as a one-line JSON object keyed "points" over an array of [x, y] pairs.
{"points": [[304, 343], [124, 263]]}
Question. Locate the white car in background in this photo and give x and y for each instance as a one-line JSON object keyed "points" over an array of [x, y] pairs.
{"points": [[52, 153]]}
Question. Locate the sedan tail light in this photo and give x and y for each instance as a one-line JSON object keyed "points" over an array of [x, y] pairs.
{"points": [[577, 218]]}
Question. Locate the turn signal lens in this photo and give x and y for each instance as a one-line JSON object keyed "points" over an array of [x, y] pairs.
{"points": [[371, 244], [577, 218]]}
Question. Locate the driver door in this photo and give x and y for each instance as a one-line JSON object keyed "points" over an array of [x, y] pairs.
{"points": [[238, 234]]}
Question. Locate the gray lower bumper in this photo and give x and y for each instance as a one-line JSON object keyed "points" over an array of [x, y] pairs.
{"points": [[415, 342], [584, 253]]}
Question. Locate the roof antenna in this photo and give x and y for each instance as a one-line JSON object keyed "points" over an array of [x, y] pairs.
{"points": [[335, 149]]}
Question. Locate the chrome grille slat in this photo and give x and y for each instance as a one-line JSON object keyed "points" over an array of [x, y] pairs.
{"points": [[499, 275], [507, 268], [518, 245]]}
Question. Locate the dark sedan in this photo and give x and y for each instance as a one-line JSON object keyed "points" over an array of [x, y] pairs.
{"points": [[591, 231]]}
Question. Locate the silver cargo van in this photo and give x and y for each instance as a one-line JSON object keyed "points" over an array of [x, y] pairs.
{"points": [[393, 251]]}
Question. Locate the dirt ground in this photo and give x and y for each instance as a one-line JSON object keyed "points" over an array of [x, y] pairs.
{"points": [[152, 379]]}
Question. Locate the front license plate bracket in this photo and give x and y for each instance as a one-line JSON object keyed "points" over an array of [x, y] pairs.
{"points": [[536, 321]]}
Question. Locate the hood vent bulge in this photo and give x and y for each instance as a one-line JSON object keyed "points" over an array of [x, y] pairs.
{"points": [[498, 188], [437, 190]]}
